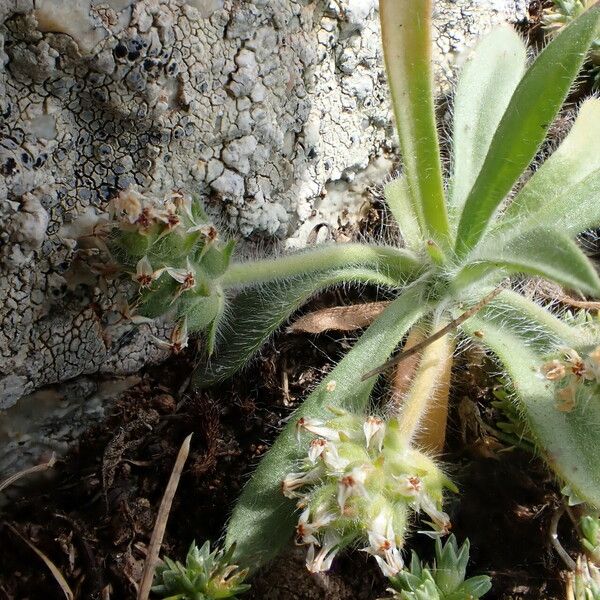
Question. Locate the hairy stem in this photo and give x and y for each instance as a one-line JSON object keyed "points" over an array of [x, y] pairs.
{"points": [[392, 261], [428, 377]]}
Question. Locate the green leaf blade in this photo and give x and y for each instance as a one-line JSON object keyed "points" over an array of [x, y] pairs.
{"points": [[543, 253], [577, 157], [398, 200], [256, 313], [523, 127], [568, 440], [485, 87], [406, 36], [263, 519]]}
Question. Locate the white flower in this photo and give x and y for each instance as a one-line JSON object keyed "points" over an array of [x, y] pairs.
{"points": [[575, 361], [382, 545], [440, 521], [178, 340], [185, 277], [374, 429], [316, 448], [409, 485], [144, 274], [322, 561], [334, 463], [352, 484], [168, 215], [305, 530], [293, 481], [317, 428]]}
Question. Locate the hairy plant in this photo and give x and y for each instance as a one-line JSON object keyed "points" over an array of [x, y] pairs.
{"points": [[463, 237], [444, 580], [561, 13], [206, 575], [182, 268], [358, 484]]}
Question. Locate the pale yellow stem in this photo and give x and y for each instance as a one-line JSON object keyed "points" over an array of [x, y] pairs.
{"points": [[423, 413]]}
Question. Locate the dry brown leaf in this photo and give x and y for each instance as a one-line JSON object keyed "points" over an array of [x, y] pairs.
{"points": [[339, 318]]}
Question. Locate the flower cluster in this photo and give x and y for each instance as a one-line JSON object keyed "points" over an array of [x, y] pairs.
{"points": [[174, 255], [359, 483], [206, 575], [570, 371], [560, 14]]}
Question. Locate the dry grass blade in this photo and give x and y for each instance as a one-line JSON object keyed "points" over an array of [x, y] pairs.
{"points": [[37, 469], [339, 318], [434, 337], [58, 576], [161, 521]]}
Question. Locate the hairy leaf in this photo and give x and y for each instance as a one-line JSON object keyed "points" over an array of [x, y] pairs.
{"points": [[393, 262], [541, 252], [485, 86], [571, 210], [575, 159], [406, 36], [397, 197], [263, 519], [523, 127], [257, 312], [567, 440]]}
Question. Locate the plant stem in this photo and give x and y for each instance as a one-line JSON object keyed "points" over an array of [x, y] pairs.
{"points": [[429, 375], [396, 262]]}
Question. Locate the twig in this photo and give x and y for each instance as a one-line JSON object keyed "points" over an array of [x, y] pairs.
{"points": [[553, 534], [43, 467], [58, 576], [161, 521], [436, 336]]}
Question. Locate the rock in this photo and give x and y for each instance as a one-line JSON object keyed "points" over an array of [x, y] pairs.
{"points": [[261, 106]]}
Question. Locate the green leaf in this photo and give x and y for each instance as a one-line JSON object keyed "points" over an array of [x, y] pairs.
{"points": [[256, 313], [200, 311], [397, 197], [545, 253], [406, 36], [567, 440], [216, 259], [263, 520], [485, 86], [393, 262], [523, 127], [572, 210], [574, 161]]}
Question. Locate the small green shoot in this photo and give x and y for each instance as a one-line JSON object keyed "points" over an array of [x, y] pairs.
{"points": [[206, 575], [444, 580]]}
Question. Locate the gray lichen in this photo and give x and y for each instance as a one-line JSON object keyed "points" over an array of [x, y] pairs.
{"points": [[260, 107]]}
